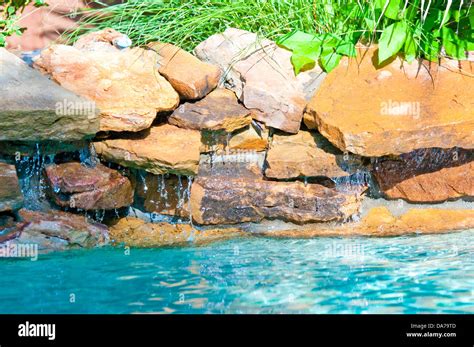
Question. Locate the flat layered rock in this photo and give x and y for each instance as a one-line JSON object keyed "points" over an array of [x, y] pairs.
{"points": [[89, 188], [380, 222], [261, 75], [251, 138], [427, 175], [11, 198], [225, 200], [58, 230], [135, 232], [307, 154], [33, 108], [125, 84], [189, 76], [220, 110], [163, 149], [396, 108]]}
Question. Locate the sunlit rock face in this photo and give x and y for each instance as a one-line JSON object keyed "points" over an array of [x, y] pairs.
{"points": [[135, 232], [189, 76], [160, 150], [33, 108], [427, 175], [58, 230], [374, 110], [89, 188], [219, 111], [125, 84], [307, 154], [11, 198], [261, 75]]}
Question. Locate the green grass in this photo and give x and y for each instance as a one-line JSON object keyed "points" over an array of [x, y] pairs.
{"points": [[416, 28]]}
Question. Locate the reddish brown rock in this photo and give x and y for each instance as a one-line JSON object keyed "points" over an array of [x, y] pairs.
{"points": [[189, 76], [380, 222], [103, 40], [228, 200], [427, 175], [10, 193], [163, 149], [396, 108], [307, 154], [89, 188], [58, 230], [135, 232], [220, 110], [125, 85]]}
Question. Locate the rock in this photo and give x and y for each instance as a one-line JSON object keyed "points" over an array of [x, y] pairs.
{"points": [[125, 84], [380, 222], [427, 175], [190, 77], [103, 40], [58, 230], [261, 75], [164, 194], [11, 198], [162, 149], [396, 108], [220, 110], [307, 154], [8, 228], [135, 232], [33, 108], [223, 199], [88, 188], [250, 138]]}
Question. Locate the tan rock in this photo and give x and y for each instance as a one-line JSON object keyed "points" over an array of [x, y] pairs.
{"points": [[189, 76], [135, 232], [250, 138], [11, 198], [89, 188], [380, 222], [103, 40], [306, 154], [220, 110], [162, 149], [427, 175], [396, 108], [126, 85]]}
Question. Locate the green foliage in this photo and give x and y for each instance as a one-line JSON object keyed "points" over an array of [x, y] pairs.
{"points": [[10, 9], [317, 31]]}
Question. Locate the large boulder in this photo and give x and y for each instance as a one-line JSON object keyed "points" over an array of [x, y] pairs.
{"points": [[89, 188], [33, 108], [307, 154], [380, 222], [220, 110], [135, 232], [261, 75], [125, 84], [189, 76], [427, 175], [11, 198], [58, 230], [162, 149], [374, 110]]}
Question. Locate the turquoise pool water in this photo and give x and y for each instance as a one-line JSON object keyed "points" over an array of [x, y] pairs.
{"points": [[423, 274]]}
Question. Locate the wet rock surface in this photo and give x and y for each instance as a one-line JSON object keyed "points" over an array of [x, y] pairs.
{"points": [[90, 188], [190, 77], [28, 98], [220, 110], [411, 106], [427, 175], [126, 85], [11, 198], [261, 75], [163, 149]]}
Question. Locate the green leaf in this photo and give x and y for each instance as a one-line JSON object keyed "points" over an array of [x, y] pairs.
{"points": [[2, 40], [454, 50], [302, 44], [346, 48], [410, 49], [300, 62], [392, 40], [393, 9], [329, 61]]}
